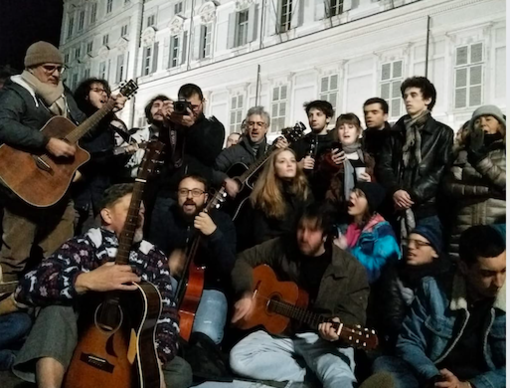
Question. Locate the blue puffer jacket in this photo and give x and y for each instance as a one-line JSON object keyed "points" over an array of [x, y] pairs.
{"points": [[429, 331], [376, 247]]}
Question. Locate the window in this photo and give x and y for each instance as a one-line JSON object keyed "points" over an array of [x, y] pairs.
{"points": [[468, 75], [66, 58], [86, 73], [391, 78], [205, 41], [285, 15], [90, 47], [178, 47], [178, 8], [236, 113], [151, 20], [77, 53], [70, 27], [124, 30], [174, 51], [242, 28], [329, 89], [150, 59], [93, 13], [279, 107], [81, 21], [109, 6], [106, 39], [74, 81], [336, 7], [102, 70], [120, 69]]}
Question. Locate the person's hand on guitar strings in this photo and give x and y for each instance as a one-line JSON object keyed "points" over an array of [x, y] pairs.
{"points": [[328, 332], [205, 224], [232, 187], [60, 148], [108, 277], [243, 307]]}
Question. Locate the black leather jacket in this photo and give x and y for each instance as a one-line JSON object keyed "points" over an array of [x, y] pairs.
{"points": [[436, 152]]}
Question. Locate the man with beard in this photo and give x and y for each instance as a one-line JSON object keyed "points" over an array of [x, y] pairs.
{"points": [[376, 120], [173, 229], [337, 287], [27, 102], [86, 264]]}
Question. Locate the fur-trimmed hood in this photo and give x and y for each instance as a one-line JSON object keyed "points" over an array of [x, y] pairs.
{"points": [[459, 295]]}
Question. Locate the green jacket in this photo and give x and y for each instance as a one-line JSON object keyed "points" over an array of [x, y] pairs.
{"points": [[344, 288]]}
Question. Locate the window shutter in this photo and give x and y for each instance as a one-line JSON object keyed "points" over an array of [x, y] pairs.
{"points": [[184, 47], [171, 52], [201, 46], [477, 53], [144, 59], [196, 42], [320, 9], [120, 63], [386, 71], [462, 56], [301, 12], [460, 98], [155, 58], [252, 22], [232, 30]]}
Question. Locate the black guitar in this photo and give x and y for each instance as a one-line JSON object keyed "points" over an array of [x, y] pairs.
{"points": [[246, 176]]}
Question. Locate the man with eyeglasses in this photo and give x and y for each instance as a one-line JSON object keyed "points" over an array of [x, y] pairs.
{"points": [[251, 146], [27, 102], [173, 229]]}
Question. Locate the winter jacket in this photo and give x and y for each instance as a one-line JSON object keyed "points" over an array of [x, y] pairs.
{"points": [[343, 290], [436, 150], [239, 153], [169, 231], [477, 190], [436, 322], [376, 247], [374, 139]]}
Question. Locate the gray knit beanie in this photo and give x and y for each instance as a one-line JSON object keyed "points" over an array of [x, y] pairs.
{"points": [[43, 52], [487, 110]]}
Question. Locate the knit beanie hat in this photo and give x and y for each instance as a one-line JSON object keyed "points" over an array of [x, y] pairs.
{"points": [[430, 228], [42, 52], [374, 193], [487, 110]]}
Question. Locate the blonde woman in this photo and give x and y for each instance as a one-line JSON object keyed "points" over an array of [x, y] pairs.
{"points": [[279, 195]]}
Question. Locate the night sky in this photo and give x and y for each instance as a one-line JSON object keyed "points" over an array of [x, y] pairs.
{"points": [[23, 22]]}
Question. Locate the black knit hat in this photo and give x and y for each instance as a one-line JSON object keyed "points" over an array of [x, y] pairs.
{"points": [[431, 229], [374, 193]]}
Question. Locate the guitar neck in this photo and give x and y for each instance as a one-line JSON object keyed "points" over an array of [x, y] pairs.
{"points": [[130, 226], [90, 123], [298, 314]]}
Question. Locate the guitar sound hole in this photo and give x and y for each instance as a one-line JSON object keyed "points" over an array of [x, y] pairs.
{"points": [[108, 317]]}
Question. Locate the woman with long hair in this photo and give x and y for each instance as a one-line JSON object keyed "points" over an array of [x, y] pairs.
{"points": [[280, 194]]}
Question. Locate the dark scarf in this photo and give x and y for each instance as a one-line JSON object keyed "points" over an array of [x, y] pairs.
{"points": [[257, 149], [411, 275], [349, 181]]}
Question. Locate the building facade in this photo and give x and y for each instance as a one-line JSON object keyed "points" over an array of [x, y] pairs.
{"points": [[284, 53]]}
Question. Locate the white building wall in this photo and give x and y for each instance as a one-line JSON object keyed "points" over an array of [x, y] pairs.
{"points": [[367, 42]]}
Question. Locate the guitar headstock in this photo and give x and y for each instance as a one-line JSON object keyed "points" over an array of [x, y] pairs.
{"points": [[358, 337], [218, 199], [128, 89], [293, 134], [151, 159]]}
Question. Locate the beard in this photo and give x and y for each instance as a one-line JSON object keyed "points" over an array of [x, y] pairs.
{"points": [[187, 215]]}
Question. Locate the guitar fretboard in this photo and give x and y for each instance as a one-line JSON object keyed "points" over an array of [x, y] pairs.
{"points": [[91, 122], [296, 313]]}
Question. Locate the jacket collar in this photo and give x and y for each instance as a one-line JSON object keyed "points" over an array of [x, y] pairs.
{"points": [[21, 82], [459, 295], [428, 127], [338, 264]]}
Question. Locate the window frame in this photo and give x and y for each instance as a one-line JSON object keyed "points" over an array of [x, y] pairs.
{"points": [[394, 83], [468, 67]]}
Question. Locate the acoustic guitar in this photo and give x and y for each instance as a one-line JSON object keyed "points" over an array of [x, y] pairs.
{"points": [[191, 285], [278, 303], [42, 179], [246, 176], [116, 347]]}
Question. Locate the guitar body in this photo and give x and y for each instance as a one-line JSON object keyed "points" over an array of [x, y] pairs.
{"points": [[234, 206], [267, 287], [41, 180], [189, 303], [117, 343]]}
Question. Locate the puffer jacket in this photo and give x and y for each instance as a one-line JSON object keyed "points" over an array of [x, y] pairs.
{"points": [[478, 191]]}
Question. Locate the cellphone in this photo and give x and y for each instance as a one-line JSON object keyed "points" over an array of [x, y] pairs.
{"points": [[181, 107], [337, 145]]}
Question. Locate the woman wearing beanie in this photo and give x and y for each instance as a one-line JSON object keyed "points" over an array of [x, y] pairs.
{"points": [[424, 257], [477, 180], [369, 237], [347, 163]]}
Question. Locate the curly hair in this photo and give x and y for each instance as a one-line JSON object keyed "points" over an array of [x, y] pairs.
{"points": [[267, 194], [427, 88], [82, 91]]}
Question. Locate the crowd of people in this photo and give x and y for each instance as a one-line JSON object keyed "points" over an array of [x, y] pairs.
{"points": [[399, 228]]}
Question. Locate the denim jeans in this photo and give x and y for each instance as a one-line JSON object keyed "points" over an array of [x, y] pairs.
{"points": [[265, 357], [401, 371], [13, 329], [211, 315]]}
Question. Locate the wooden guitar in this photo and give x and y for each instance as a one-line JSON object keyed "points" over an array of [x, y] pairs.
{"points": [[191, 285], [277, 303], [42, 179], [245, 175], [116, 347]]}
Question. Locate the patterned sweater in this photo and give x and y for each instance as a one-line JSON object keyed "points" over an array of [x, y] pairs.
{"points": [[52, 282]]}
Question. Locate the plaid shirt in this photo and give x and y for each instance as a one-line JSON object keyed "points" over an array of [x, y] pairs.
{"points": [[52, 282]]}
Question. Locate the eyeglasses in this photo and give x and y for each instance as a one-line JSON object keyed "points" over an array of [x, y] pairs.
{"points": [[51, 69], [194, 192], [257, 123], [99, 90], [418, 244]]}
